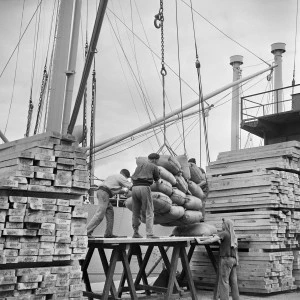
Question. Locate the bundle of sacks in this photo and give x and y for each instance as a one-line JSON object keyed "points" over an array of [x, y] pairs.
{"points": [[178, 196]]}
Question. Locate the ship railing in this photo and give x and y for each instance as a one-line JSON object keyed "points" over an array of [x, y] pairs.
{"points": [[270, 102]]}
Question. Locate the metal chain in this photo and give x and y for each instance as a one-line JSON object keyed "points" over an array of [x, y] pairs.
{"points": [[42, 94], [92, 154], [159, 23], [29, 116], [84, 141]]}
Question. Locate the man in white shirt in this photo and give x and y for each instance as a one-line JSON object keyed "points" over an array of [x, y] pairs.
{"points": [[111, 186]]}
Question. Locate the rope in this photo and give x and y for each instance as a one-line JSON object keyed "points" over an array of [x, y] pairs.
{"points": [[200, 91], [4, 68], [169, 67], [16, 67], [196, 50], [179, 73], [36, 38], [136, 81], [294, 70], [227, 34]]}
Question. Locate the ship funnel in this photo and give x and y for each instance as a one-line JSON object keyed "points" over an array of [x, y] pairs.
{"points": [[236, 61], [278, 49]]}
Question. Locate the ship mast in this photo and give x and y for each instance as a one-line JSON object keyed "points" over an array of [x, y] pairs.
{"points": [[60, 66]]}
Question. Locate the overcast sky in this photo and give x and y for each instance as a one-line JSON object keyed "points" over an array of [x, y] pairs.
{"points": [[254, 24]]}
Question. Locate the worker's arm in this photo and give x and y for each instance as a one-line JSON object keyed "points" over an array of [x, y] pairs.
{"points": [[210, 240], [125, 183]]}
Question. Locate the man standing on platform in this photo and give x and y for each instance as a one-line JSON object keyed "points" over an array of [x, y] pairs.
{"points": [[112, 185], [142, 203]]}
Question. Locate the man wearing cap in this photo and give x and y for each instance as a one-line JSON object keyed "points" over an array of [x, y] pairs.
{"points": [[142, 203], [112, 185]]}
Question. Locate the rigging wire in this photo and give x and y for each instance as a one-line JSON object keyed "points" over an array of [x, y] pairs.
{"points": [[50, 65], [226, 34], [196, 50], [139, 72], [20, 39], [200, 91], [131, 145], [179, 74], [154, 61], [144, 97], [16, 67], [130, 67], [169, 67], [295, 52], [44, 79], [36, 39]]}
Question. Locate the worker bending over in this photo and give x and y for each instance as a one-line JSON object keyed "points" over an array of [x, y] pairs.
{"points": [[112, 185], [142, 203]]}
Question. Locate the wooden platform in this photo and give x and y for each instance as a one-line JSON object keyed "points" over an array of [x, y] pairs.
{"points": [[124, 248]]}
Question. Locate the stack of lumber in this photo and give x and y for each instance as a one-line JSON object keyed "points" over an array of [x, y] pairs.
{"points": [[39, 283], [258, 188], [43, 180]]}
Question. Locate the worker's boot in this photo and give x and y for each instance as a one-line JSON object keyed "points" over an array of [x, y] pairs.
{"points": [[136, 234]]}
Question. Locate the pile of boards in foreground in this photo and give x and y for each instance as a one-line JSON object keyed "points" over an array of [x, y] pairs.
{"points": [[259, 189], [42, 218], [177, 197]]}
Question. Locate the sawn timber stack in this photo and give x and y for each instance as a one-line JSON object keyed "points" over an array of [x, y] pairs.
{"points": [[42, 218], [258, 188]]}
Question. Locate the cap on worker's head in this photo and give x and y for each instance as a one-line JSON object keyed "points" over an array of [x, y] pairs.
{"points": [[153, 156], [192, 160], [125, 172]]}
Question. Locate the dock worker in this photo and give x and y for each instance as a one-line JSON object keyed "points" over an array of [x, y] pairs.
{"points": [[112, 185], [142, 203], [228, 261]]}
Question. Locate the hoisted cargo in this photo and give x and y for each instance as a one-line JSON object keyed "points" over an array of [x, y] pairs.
{"points": [[166, 175], [162, 203], [162, 186], [192, 203], [178, 197], [174, 214], [183, 160], [189, 217], [195, 190], [196, 174], [170, 163], [181, 184]]}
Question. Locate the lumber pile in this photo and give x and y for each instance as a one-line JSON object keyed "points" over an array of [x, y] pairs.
{"points": [[42, 218], [258, 188]]}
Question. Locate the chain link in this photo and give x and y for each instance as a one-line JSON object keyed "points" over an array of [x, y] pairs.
{"points": [[42, 93], [84, 141], [29, 116]]}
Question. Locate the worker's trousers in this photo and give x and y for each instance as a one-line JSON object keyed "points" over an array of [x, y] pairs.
{"points": [[142, 206], [105, 208], [227, 277]]}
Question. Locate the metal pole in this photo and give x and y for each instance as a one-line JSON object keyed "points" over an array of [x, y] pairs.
{"points": [[100, 146], [236, 61], [72, 66], [60, 64], [88, 62], [3, 137]]}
